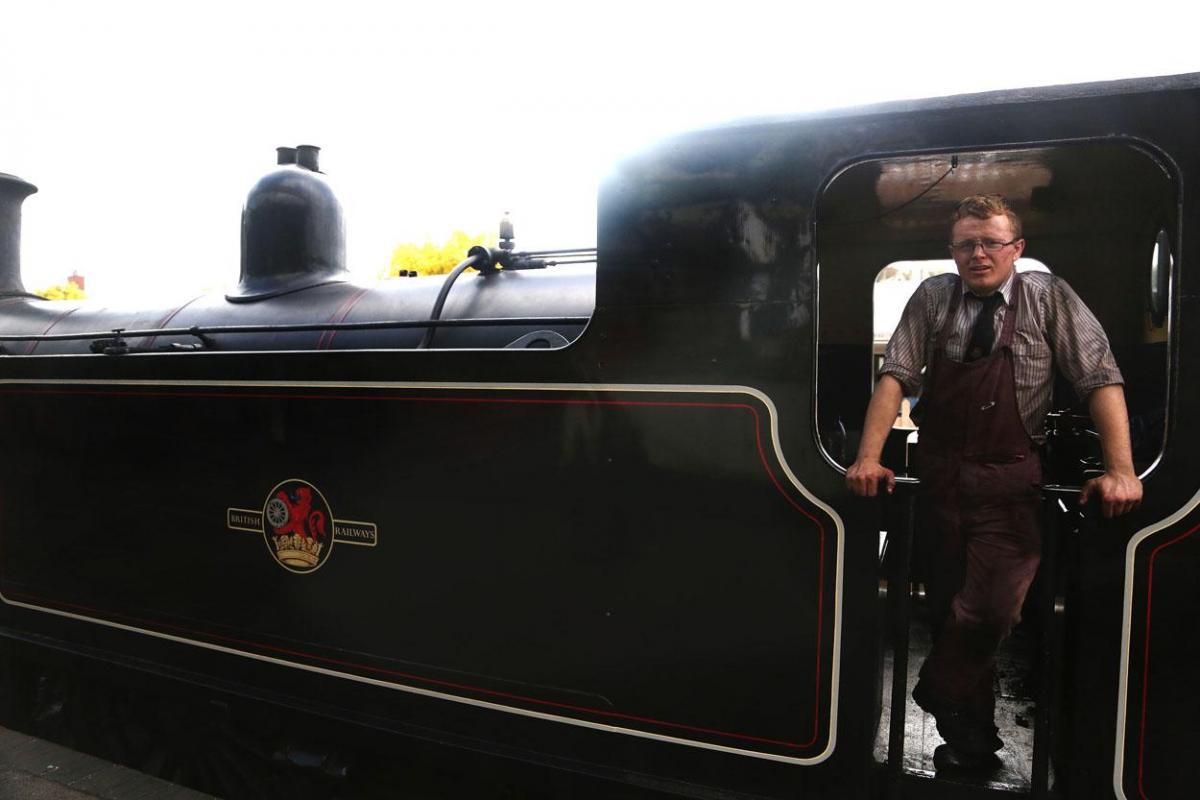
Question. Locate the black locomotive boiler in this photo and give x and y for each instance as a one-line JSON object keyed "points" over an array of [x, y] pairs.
{"points": [[584, 530]]}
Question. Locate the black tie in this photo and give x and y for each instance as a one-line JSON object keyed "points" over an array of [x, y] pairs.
{"points": [[983, 333]]}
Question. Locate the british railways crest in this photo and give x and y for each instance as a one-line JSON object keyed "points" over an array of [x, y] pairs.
{"points": [[298, 526]]}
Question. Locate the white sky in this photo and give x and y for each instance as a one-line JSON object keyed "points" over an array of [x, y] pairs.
{"points": [[144, 123]]}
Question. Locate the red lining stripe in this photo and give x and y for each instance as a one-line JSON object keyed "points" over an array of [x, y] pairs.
{"points": [[29, 348], [1146, 657], [490, 401], [162, 323], [337, 317], [408, 676]]}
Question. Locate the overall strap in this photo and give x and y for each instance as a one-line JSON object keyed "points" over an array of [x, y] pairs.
{"points": [[1010, 315]]}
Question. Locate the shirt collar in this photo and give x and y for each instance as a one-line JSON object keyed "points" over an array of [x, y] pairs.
{"points": [[1005, 289]]}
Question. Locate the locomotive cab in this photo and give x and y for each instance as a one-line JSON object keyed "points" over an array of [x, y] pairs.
{"points": [[1101, 214]]}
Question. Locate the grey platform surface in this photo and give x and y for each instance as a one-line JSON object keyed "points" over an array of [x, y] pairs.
{"points": [[33, 769]]}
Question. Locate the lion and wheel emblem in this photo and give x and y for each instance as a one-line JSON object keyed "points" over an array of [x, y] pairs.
{"points": [[298, 526]]}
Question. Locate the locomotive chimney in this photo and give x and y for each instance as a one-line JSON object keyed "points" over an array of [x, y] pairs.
{"points": [[306, 156], [13, 192], [293, 236]]}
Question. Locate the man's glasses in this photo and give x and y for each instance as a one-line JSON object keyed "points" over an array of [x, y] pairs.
{"points": [[966, 248]]}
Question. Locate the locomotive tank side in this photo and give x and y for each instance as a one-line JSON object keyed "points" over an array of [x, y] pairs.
{"points": [[85, 383]]}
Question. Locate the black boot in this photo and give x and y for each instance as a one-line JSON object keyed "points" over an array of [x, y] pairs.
{"points": [[972, 738]]}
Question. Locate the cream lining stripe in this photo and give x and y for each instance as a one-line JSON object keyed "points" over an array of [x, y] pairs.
{"points": [[1127, 631], [684, 389]]}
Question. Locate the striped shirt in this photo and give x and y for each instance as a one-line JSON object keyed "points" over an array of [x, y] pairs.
{"points": [[1054, 329]]}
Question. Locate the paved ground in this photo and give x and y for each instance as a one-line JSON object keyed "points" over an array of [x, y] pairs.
{"points": [[32, 769]]}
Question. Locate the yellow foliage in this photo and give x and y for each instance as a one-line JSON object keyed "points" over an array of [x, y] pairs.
{"points": [[62, 291], [434, 259]]}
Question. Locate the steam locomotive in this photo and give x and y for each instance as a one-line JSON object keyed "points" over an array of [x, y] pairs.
{"points": [[591, 529]]}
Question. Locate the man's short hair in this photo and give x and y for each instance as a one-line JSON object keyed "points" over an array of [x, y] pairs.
{"points": [[986, 206]]}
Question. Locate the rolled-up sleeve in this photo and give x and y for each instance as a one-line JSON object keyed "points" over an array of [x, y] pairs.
{"points": [[1080, 345], [906, 353]]}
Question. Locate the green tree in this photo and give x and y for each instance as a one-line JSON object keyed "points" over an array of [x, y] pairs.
{"points": [[62, 291], [435, 259]]}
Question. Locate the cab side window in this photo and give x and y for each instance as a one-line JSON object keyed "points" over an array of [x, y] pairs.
{"points": [[1102, 214]]}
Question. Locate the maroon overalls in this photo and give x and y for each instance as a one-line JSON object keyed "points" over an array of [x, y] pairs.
{"points": [[981, 476]]}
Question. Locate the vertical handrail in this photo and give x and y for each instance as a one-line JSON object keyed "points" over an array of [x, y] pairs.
{"points": [[1048, 646], [900, 613]]}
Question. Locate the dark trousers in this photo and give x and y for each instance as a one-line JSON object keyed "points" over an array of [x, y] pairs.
{"points": [[983, 556]]}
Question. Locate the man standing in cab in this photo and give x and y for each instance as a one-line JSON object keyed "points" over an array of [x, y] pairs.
{"points": [[981, 346]]}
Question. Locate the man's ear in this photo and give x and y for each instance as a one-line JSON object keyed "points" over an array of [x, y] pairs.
{"points": [[1018, 248]]}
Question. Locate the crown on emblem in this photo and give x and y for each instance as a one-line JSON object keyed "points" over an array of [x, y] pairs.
{"points": [[297, 550]]}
